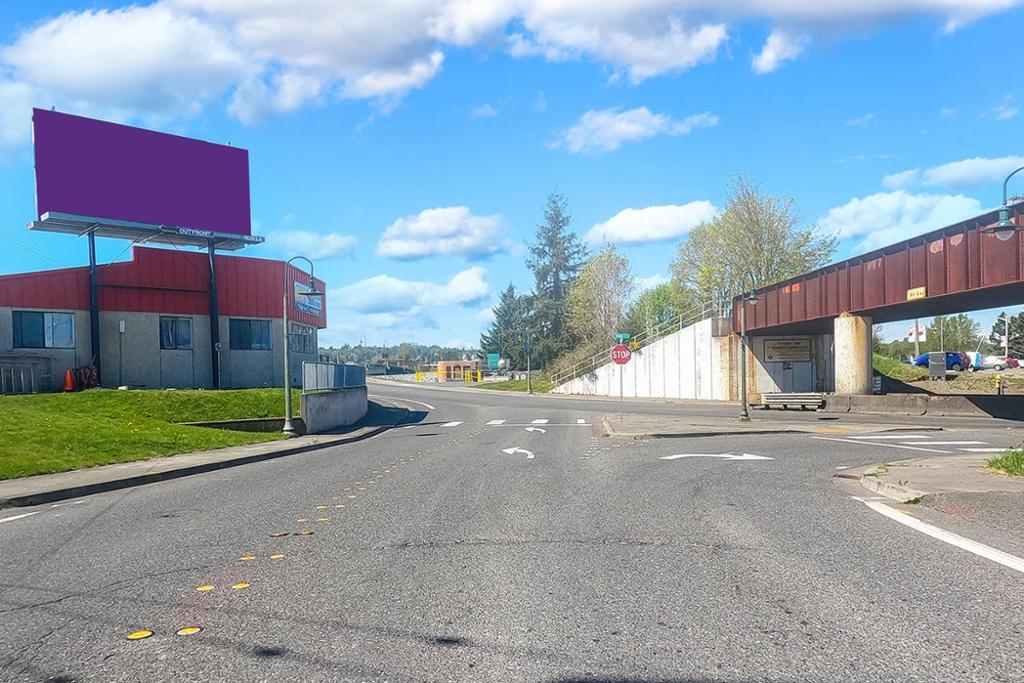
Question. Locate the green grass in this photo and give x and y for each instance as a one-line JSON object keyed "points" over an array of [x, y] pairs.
{"points": [[45, 433], [903, 372], [540, 386], [1009, 463]]}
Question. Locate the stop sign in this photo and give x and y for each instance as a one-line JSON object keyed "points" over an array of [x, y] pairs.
{"points": [[621, 354]]}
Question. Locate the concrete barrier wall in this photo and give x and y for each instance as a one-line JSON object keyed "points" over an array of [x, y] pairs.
{"points": [[1006, 407], [326, 410], [685, 364]]}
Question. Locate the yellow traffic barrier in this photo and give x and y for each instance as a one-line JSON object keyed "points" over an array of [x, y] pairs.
{"points": [[419, 376]]}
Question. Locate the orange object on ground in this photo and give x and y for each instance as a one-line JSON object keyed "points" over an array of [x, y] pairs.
{"points": [[69, 384]]}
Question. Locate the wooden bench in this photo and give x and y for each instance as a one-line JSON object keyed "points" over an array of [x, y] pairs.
{"points": [[785, 401]]}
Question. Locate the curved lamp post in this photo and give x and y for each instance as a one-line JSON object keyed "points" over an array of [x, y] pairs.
{"points": [[744, 299], [288, 428], [1004, 228]]}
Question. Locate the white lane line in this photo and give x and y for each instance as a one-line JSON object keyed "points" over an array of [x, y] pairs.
{"points": [[497, 422], [72, 502], [21, 516], [451, 424], [407, 400], [980, 549], [581, 421], [892, 437], [957, 443], [546, 424], [987, 450], [887, 445], [542, 421]]}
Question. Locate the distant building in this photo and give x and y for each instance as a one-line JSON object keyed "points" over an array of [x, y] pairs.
{"points": [[155, 323], [456, 370]]}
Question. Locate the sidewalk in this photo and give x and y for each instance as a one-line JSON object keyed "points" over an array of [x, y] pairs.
{"points": [[46, 488], [638, 426]]}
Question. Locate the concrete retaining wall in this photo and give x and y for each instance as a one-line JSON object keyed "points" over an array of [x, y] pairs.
{"points": [[685, 364], [323, 411], [1006, 407]]}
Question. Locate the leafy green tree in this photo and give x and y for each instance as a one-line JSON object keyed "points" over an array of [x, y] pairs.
{"points": [[995, 338], [954, 332], [658, 305], [757, 233], [596, 307]]}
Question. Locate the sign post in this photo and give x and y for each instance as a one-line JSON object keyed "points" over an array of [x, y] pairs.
{"points": [[620, 356]]}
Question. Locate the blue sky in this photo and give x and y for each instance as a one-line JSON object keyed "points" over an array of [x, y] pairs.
{"points": [[407, 147]]}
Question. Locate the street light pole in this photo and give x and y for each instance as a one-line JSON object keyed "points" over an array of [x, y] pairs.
{"points": [[289, 428], [744, 298], [1004, 228]]}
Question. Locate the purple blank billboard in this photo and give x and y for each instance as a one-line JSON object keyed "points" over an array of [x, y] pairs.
{"points": [[105, 170]]}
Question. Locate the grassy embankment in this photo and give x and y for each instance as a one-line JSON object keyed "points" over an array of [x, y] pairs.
{"points": [[1009, 463], [46, 433], [959, 383], [540, 385]]}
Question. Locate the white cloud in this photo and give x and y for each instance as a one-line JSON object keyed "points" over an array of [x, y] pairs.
{"points": [[485, 316], [901, 180], [780, 47], [606, 130], [650, 282], [971, 172], [443, 231], [887, 217], [1004, 111], [861, 120], [312, 244], [652, 223], [484, 111], [15, 114], [387, 294]]}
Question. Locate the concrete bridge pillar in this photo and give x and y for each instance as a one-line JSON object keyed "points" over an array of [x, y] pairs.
{"points": [[853, 354]]}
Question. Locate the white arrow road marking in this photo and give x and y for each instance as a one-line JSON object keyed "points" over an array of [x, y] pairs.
{"points": [[536, 429], [21, 516], [724, 456], [451, 424], [542, 421], [497, 422], [517, 449], [988, 552]]}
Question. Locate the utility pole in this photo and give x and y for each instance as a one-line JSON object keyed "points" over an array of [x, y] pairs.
{"points": [[917, 337], [1006, 336]]}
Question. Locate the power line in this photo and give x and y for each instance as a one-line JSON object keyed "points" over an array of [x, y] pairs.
{"points": [[32, 251]]}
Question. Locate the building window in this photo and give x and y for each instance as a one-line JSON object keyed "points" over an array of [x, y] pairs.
{"points": [[250, 335], [176, 333], [39, 330], [301, 339]]}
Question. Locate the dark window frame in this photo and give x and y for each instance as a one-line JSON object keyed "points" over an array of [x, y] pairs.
{"points": [[45, 326], [175, 343], [243, 335]]}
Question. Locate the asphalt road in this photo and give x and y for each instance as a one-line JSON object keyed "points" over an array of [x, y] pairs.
{"points": [[442, 557]]}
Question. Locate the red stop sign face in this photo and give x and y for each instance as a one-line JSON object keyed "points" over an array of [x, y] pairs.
{"points": [[621, 354]]}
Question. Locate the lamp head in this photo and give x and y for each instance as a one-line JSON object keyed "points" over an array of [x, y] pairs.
{"points": [[752, 298], [1004, 228]]}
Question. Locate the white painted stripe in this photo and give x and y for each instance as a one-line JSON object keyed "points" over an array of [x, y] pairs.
{"points": [[581, 421], [21, 516], [980, 549], [407, 400], [987, 450], [957, 443], [451, 424], [891, 437], [497, 422], [543, 421], [887, 445]]}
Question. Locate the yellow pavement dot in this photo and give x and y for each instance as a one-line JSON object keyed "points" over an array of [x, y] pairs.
{"points": [[305, 532], [323, 519], [302, 520], [321, 507], [277, 556], [353, 496], [205, 587], [347, 488], [139, 635], [361, 488], [339, 506], [188, 631], [278, 534], [246, 558], [358, 483], [240, 585]]}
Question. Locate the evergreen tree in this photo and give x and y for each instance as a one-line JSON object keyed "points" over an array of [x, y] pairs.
{"points": [[995, 338], [509, 330]]}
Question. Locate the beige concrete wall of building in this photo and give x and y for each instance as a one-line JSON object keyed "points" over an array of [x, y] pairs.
{"points": [[853, 354], [41, 368]]}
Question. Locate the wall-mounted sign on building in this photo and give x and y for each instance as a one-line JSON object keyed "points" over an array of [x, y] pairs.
{"points": [[307, 304], [916, 293], [787, 350]]}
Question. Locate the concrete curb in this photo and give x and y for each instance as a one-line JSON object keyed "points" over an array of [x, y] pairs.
{"points": [[62, 493], [868, 478]]}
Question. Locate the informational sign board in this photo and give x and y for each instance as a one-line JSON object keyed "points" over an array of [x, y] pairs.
{"points": [[787, 350], [493, 361], [314, 305], [102, 170], [621, 354], [916, 293], [620, 336]]}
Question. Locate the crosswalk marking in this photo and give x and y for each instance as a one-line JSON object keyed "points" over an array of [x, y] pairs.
{"points": [[542, 421], [451, 424], [581, 421], [497, 422]]}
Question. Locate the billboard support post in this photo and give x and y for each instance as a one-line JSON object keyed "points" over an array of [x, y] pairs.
{"points": [[94, 307], [214, 316]]}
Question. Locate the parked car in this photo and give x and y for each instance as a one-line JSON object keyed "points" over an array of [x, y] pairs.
{"points": [[996, 363], [955, 361]]}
